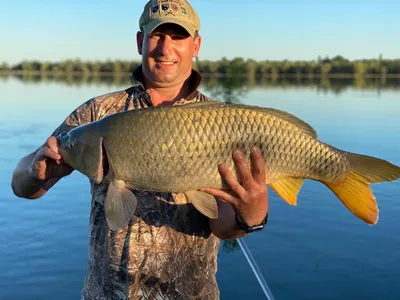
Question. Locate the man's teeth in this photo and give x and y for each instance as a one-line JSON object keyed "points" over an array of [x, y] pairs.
{"points": [[166, 62]]}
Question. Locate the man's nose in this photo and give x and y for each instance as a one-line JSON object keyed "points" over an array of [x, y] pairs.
{"points": [[165, 46]]}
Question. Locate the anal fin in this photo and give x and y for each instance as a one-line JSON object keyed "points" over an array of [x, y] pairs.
{"points": [[204, 203], [119, 205], [288, 189]]}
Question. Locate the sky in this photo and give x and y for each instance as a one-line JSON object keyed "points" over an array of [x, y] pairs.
{"points": [[55, 30]]}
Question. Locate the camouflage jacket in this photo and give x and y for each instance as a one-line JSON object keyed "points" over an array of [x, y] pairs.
{"points": [[170, 253]]}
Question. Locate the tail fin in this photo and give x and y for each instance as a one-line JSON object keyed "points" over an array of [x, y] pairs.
{"points": [[354, 191]]}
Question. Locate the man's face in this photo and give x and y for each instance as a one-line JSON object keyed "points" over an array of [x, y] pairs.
{"points": [[167, 54]]}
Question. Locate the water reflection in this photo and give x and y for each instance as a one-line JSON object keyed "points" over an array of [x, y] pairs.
{"points": [[229, 88], [229, 246]]}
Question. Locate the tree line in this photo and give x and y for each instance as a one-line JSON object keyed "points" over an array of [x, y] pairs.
{"points": [[335, 66]]}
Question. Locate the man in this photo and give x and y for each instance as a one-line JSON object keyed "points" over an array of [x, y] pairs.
{"points": [[171, 252]]}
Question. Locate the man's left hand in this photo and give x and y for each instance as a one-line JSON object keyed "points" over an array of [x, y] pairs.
{"points": [[248, 193]]}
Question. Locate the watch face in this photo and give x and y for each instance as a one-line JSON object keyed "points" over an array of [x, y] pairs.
{"points": [[254, 228], [258, 227]]}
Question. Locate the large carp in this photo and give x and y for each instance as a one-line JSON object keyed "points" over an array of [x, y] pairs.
{"points": [[178, 148]]}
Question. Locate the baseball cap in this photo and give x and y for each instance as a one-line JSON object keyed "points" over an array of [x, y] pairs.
{"points": [[180, 12]]}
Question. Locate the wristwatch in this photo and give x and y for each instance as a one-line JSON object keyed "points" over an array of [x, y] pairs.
{"points": [[249, 229]]}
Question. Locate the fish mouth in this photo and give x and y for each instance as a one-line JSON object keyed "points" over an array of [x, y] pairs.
{"points": [[60, 138]]}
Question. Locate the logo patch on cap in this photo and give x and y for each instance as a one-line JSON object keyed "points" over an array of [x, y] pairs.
{"points": [[183, 10], [174, 7], [155, 9]]}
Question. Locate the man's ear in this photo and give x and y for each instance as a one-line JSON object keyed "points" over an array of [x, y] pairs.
{"points": [[196, 45], [139, 41]]}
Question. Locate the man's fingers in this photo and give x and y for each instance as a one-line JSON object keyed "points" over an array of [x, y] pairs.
{"points": [[46, 152], [243, 171], [230, 180], [257, 166], [53, 145], [51, 142], [222, 195]]}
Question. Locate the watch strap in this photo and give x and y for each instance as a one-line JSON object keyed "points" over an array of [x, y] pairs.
{"points": [[252, 228]]}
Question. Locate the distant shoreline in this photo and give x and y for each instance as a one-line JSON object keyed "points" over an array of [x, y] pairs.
{"points": [[335, 67], [278, 75]]}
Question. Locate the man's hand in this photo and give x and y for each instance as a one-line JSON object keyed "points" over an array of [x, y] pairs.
{"points": [[47, 162], [37, 172], [248, 192]]}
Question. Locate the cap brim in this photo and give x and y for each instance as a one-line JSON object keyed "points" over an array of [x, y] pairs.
{"points": [[148, 28]]}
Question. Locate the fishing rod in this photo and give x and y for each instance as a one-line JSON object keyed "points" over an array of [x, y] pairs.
{"points": [[250, 259]]}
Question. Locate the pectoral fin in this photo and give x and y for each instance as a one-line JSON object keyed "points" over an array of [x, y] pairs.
{"points": [[204, 203], [119, 205], [288, 189]]}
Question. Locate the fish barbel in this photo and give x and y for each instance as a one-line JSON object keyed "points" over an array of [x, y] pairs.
{"points": [[178, 148]]}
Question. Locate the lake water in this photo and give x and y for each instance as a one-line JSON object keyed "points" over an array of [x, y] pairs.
{"points": [[316, 250]]}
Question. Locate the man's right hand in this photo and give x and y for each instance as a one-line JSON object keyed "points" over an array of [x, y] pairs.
{"points": [[47, 162], [37, 172]]}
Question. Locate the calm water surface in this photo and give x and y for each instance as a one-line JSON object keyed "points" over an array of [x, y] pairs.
{"points": [[317, 250]]}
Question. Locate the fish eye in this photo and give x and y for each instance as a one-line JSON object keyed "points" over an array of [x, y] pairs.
{"points": [[71, 144]]}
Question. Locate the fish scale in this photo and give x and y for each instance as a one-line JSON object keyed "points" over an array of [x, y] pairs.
{"points": [[178, 149]]}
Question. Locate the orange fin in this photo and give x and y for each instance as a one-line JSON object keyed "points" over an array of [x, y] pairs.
{"points": [[357, 196], [288, 188], [371, 169], [354, 190]]}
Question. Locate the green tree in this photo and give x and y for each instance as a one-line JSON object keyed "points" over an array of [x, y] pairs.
{"points": [[4, 66], [45, 67]]}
